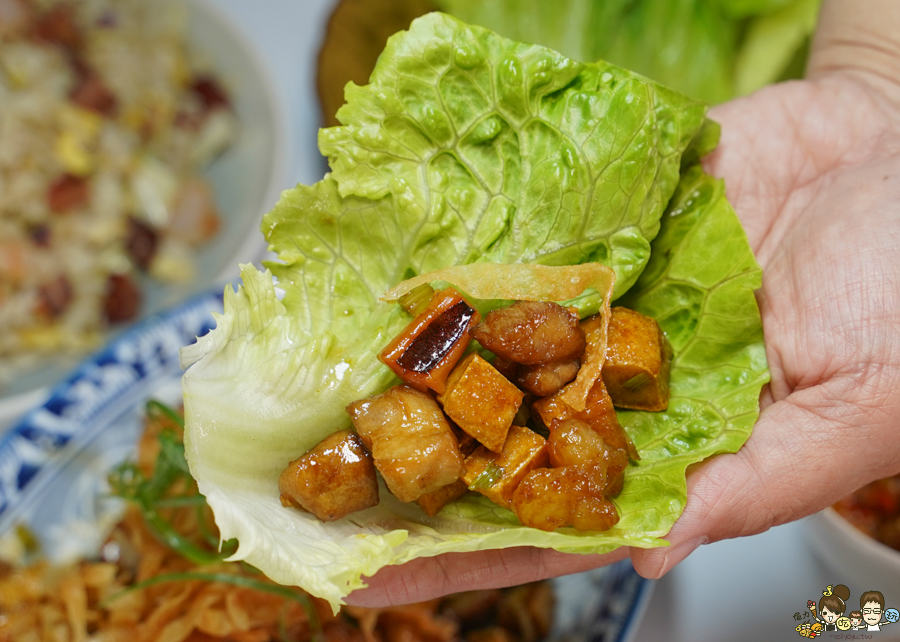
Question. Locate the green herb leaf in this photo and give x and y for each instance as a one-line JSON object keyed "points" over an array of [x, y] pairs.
{"points": [[636, 382]]}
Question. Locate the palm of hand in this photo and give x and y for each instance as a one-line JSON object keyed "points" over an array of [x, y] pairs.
{"points": [[813, 171]]}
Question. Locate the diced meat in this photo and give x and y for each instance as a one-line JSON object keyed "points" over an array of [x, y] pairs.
{"points": [[433, 502], [334, 479], [638, 356], [58, 26], [532, 333], [550, 498], [54, 297], [430, 346], [141, 243], [67, 193], [411, 442], [92, 93], [122, 300], [574, 443], [541, 380], [600, 415], [496, 475], [481, 401], [210, 92]]}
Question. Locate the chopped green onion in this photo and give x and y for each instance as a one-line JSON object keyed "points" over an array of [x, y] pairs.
{"points": [[488, 478], [156, 408], [416, 300], [167, 534], [638, 381]]}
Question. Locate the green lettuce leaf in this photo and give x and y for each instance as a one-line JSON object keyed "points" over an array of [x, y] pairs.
{"points": [[712, 50], [466, 147]]}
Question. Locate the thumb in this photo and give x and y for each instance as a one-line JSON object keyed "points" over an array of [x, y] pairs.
{"points": [[796, 462]]}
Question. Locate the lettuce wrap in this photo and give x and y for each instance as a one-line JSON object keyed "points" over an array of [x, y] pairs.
{"points": [[468, 148]]}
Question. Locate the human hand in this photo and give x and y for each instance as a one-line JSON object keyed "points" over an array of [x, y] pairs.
{"points": [[813, 171]]}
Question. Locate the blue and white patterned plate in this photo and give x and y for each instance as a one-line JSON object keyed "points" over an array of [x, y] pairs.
{"points": [[54, 463]]}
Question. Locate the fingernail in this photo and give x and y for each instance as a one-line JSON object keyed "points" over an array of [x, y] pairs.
{"points": [[677, 553]]}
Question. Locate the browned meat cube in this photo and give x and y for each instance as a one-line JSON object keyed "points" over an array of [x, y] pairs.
{"points": [[600, 415], [410, 440], [496, 475], [334, 479], [433, 502], [574, 443], [532, 333], [541, 380], [481, 401], [550, 498], [428, 348], [636, 371]]}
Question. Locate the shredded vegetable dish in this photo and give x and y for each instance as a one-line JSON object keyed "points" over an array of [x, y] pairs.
{"points": [[161, 576], [106, 122], [875, 510]]}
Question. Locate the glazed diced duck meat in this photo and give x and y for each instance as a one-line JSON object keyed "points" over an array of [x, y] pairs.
{"points": [[541, 380], [334, 479], [550, 498], [409, 439], [481, 401], [532, 427], [638, 357], [532, 333], [423, 355]]}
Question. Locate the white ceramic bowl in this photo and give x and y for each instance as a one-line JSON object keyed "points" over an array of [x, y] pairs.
{"points": [[856, 559], [247, 180]]}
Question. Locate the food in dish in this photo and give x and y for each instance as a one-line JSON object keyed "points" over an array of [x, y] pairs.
{"points": [[106, 122], [161, 576], [458, 418], [875, 510], [469, 156]]}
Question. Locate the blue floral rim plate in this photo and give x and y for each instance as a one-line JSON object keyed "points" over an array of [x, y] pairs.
{"points": [[95, 394], [54, 465]]}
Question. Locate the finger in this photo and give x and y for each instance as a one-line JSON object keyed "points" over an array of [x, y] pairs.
{"points": [[858, 39], [800, 458], [426, 578]]}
